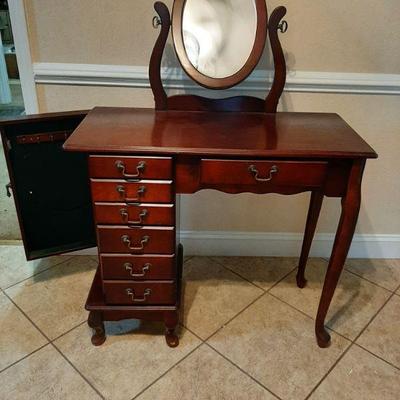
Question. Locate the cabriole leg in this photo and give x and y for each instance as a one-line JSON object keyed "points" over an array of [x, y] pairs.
{"points": [[344, 235], [312, 219]]}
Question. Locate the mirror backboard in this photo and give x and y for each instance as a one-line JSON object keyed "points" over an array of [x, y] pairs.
{"points": [[219, 42]]}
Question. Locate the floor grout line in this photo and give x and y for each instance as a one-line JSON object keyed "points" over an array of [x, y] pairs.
{"points": [[268, 291], [193, 333], [166, 372], [188, 258], [246, 307], [281, 280], [397, 289], [310, 317], [205, 341], [242, 370], [236, 273], [291, 306], [40, 272], [365, 279], [27, 317], [366, 327], [265, 290], [353, 343], [346, 268], [375, 355], [77, 370], [24, 357], [51, 342], [68, 331], [329, 371], [373, 317], [231, 319]]}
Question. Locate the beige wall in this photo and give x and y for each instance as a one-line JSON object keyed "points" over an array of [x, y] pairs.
{"points": [[332, 36], [340, 35]]}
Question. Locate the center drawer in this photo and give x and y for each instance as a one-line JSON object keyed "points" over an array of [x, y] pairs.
{"points": [[140, 293], [135, 213], [136, 240], [131, 192], [256, 172]]}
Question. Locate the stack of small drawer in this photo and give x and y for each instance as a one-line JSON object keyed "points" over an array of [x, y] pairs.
{"points": [[135, 218]]}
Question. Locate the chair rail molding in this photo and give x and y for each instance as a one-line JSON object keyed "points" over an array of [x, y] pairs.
{"points": [[230, 243], [175, 78]]}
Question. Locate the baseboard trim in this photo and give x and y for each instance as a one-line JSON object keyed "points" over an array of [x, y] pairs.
{"points": [[284, 244], [224, 243], [175, 78]]}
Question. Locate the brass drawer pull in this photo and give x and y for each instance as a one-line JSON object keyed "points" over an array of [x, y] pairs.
{"points": [[122, 168], [253, 170], [122, 191], [146, 294], [128, 242], [145, 269], [125, 216]]}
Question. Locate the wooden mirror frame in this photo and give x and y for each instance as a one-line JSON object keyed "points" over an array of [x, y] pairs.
{"points": [[229, 81], [189, 102]]}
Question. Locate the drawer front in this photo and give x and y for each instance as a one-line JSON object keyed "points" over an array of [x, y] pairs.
{"points": [[140, 293], [135, 214], [136, 240], [133, 192], [130, 167], [248, 172], [138, 267]]}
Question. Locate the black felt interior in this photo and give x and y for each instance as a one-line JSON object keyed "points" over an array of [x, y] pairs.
{"points": [[52, 190]]}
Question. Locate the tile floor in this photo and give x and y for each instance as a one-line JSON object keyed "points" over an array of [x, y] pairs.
{"points": [[248, 333], [16, 107]]}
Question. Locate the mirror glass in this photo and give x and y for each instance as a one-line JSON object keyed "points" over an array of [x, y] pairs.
{"points": [[219, 35]]}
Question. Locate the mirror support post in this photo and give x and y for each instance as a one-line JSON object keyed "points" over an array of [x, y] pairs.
{"points": [[160, 96], [274, 25]]}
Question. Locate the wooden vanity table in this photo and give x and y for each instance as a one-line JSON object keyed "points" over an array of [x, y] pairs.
{"points": [[139, 160]]}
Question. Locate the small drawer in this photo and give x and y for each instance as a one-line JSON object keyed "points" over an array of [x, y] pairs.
{"points": [[249, 172], [135, 214], [137, 267], [136, 240], [130, 167], [140, 293], [131, 192]]}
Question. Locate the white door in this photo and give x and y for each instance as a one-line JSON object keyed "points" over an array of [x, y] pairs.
{"points": [[5, 93]]}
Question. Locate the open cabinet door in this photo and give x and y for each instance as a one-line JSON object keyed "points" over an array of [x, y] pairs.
{"points": [[50, 186]]}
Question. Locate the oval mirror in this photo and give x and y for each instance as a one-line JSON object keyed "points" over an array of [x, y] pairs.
{"points": [[219, 42]]}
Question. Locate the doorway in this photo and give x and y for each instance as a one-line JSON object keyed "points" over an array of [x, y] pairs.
{"points": [[11, 99]]}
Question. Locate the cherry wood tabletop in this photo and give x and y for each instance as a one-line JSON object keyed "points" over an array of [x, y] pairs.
{"points": [[148, 131]]}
